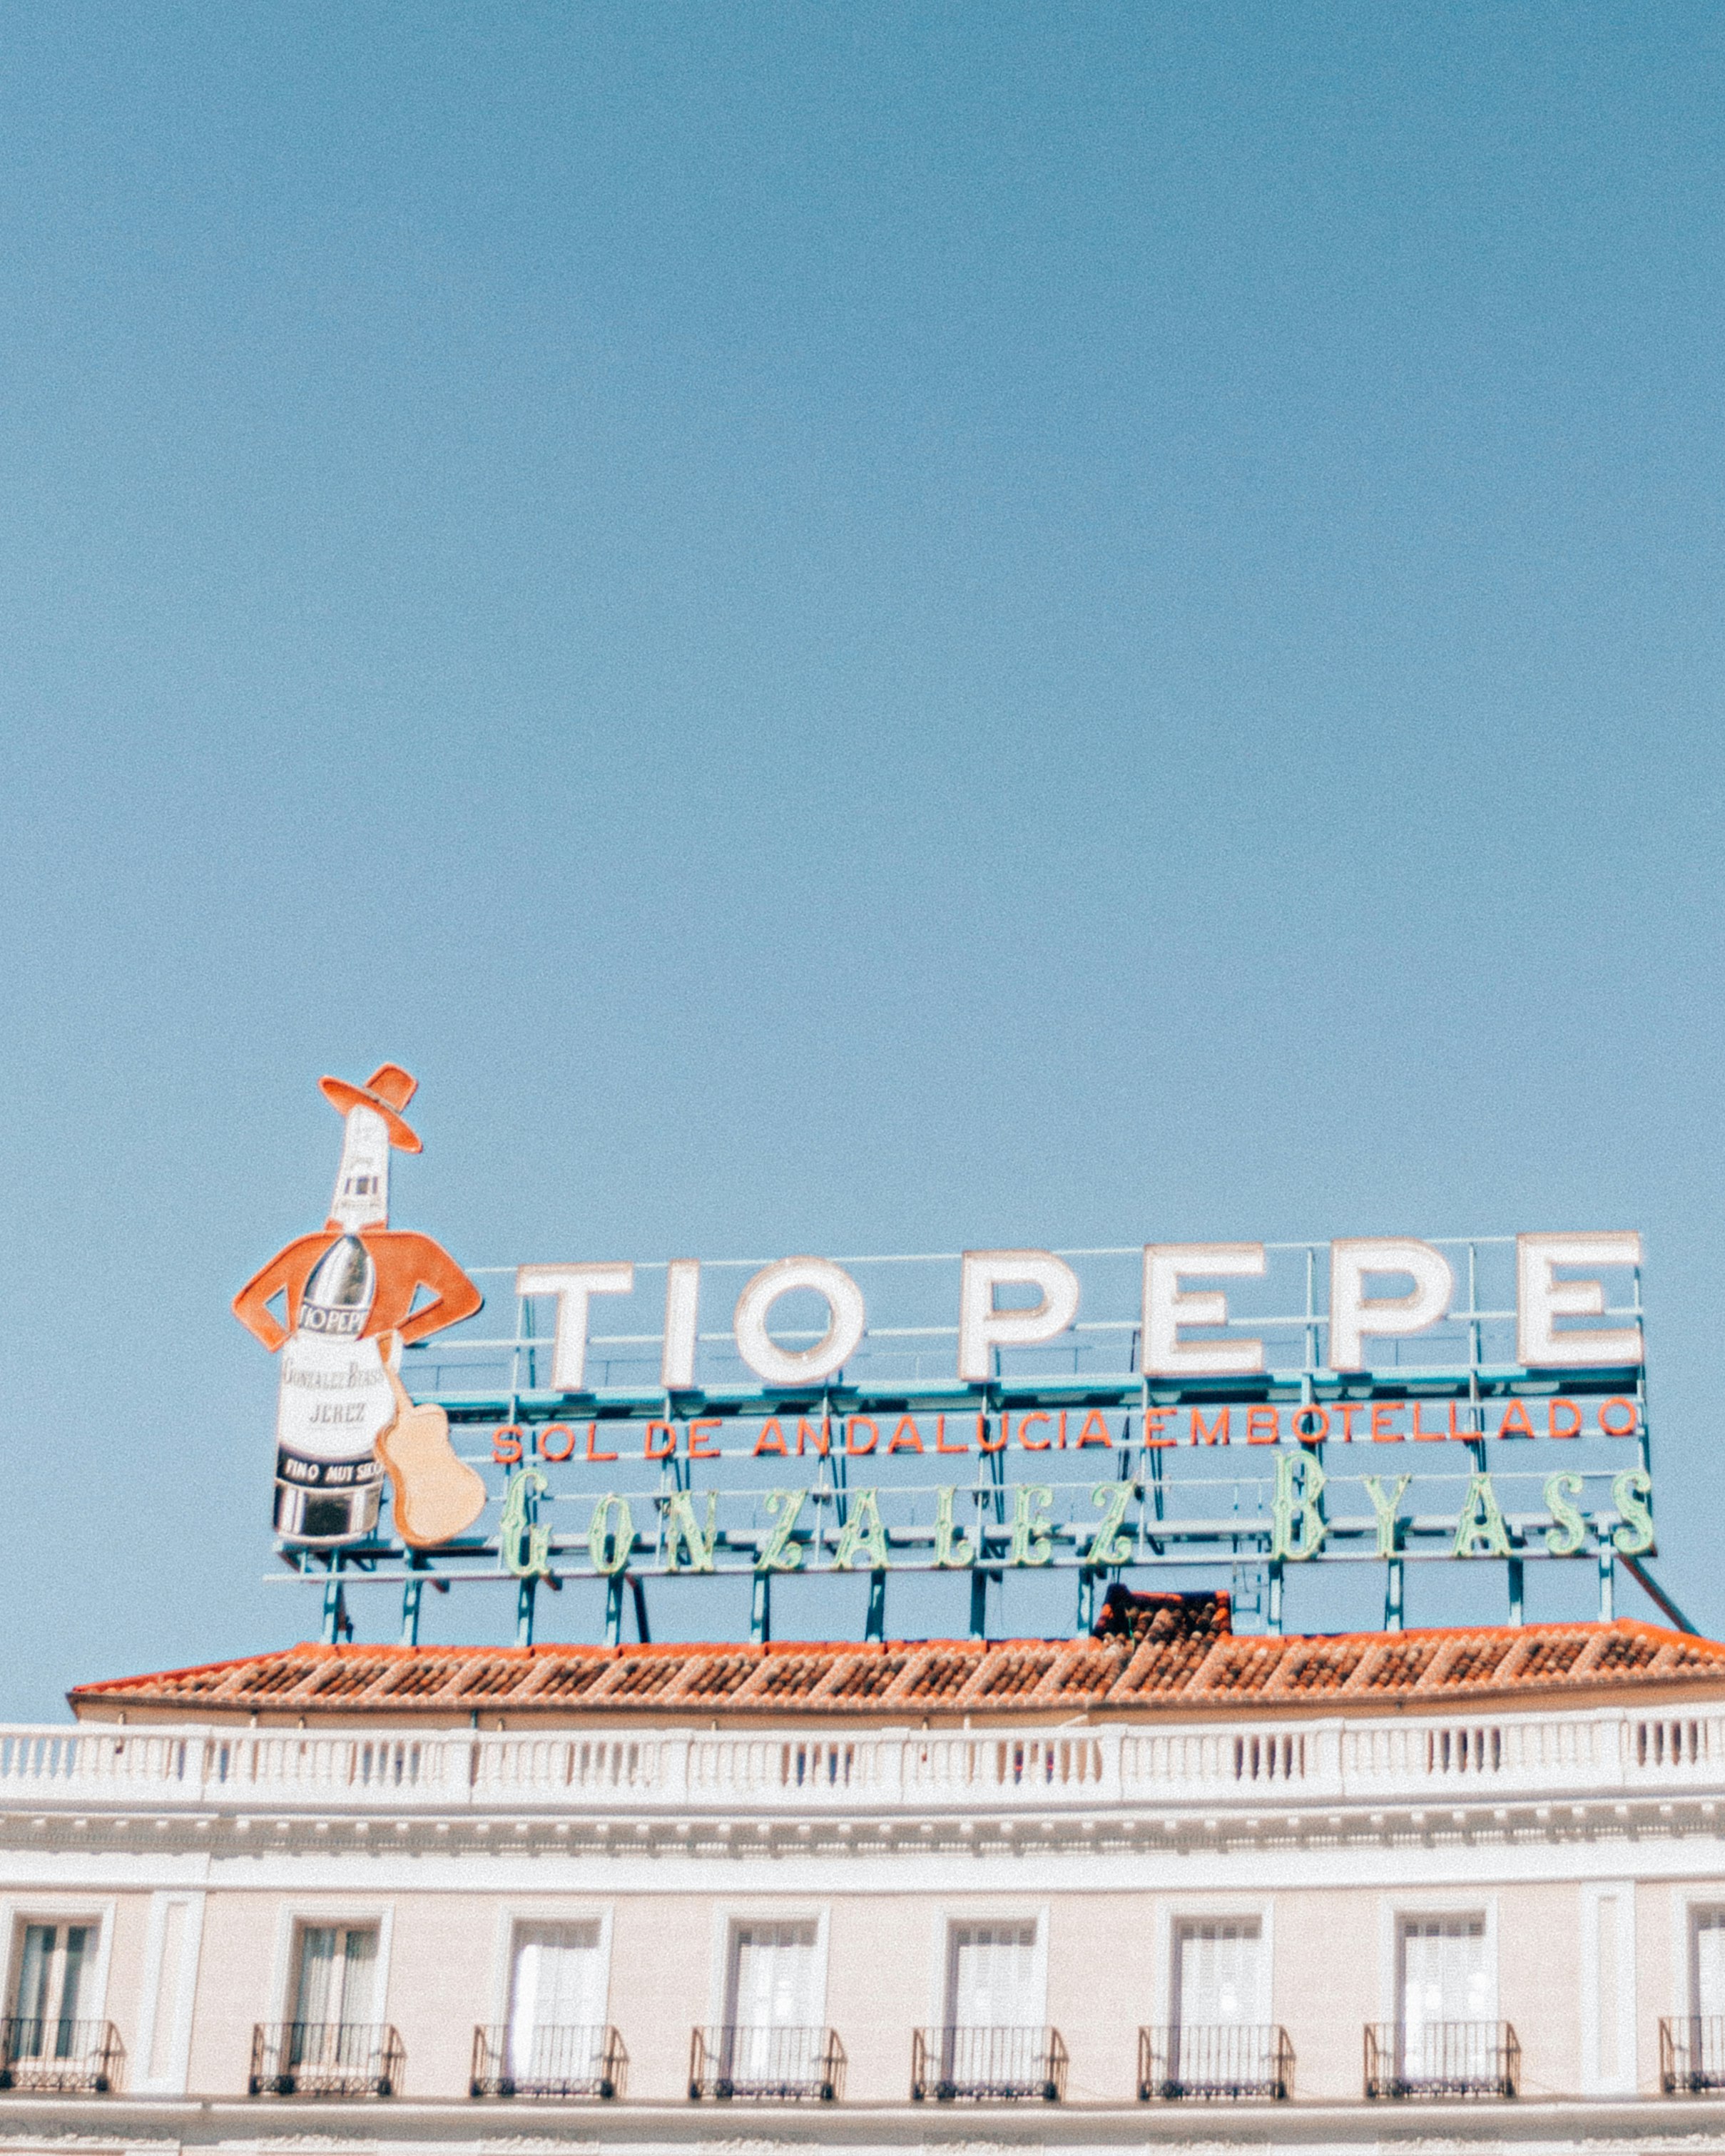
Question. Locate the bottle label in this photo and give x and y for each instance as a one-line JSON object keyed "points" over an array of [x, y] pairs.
{"points": [[345, 1324], [335, 1398], [325, 1474]]}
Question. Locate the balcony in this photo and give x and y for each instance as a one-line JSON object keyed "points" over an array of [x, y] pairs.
{"points": [[1442, 2058], [325, 2058], [1231, 2063], [987, 2066], [766, 2065], [658, 1778], [1691, 2054], [565, 2062], [60, 2058]]}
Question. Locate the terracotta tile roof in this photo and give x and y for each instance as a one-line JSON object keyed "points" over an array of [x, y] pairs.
{"points": [[1166, 1673]]}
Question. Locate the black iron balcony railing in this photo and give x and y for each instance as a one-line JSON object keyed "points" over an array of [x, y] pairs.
{"points": [[325, 2058], [766, 2065], [1442, 2058], [987, 2066], [1691, 2054], [1235, 2063], [566, 2061], [61, 2058]]}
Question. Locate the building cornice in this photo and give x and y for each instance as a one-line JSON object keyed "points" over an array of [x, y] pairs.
{"points": [[1531, 1778], [503, 2128]]}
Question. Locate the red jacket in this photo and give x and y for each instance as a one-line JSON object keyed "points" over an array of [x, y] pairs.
{"points": [[405, 1263]]}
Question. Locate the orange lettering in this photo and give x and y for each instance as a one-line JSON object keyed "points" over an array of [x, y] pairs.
{"points": [[1515, 1423], [941, 1443], [1305, 1415], [821, 1440], [1615, 1427], [982, 1441], [1382, 1433], [545, 1451], [649, 1451], [505, 1444], [851, 1426], [1419, 1430], [900, 1442], [1154, 1418], [698, 1447], [1347, 1409], [1034, 1444], [1096, 1435], [1263, 1425], [592, 1436], [771, 1440], [1571, 1418], [1202, 1434]]}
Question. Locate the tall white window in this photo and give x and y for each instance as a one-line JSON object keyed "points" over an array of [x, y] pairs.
{"points": [[556, 2000], [992, 1977], [994, 2003], [772, 1979], [771, 1990], [1445, 1978], [52, 1959], [1218, 1972], [335, 1991], [1706, 1962]]}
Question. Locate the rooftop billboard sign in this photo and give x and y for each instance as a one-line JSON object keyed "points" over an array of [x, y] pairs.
{"points": [[1161, 1407]]}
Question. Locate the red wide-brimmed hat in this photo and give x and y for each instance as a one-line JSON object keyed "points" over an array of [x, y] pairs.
{"points": [[388, 1090]]}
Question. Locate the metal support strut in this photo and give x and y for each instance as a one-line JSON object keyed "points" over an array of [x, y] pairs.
{"points": [[338, 1624]]}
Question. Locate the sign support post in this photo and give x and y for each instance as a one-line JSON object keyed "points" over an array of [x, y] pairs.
{"points": [[1392, 1595], [410, 1594]]}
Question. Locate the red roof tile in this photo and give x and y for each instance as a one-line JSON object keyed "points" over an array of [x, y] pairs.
{"points": [[1201, 1670]]}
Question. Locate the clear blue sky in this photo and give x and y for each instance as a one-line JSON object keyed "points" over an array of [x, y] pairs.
{"points": [[850, 627]]}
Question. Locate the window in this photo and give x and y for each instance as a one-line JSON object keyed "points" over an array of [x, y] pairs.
{"points": [[771, 1987], [772, 1976], [1706, 1962], [1445, 1979], [1217, 1968], [557, 1988], [52, 1960], [992, 1977], [334, 1992]]}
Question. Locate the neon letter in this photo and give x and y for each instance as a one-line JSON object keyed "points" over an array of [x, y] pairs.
{"points": [[682, 1305], [863, 1546], [1297, 1528], [982, 1327], [1481, 1522], [1385, 1508], [847, 1316], [573, 1286], [1354, 1315], [779, 1553], [1541, 1301], [1166, 1309], [1568, 1530], [1031, 1505]]}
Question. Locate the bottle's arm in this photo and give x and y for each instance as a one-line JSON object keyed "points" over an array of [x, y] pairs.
{"points": [[286, 1274], [405, 1263]]}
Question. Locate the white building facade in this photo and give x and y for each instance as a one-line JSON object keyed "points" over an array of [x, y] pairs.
{"points": [[1179, 1887]]}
